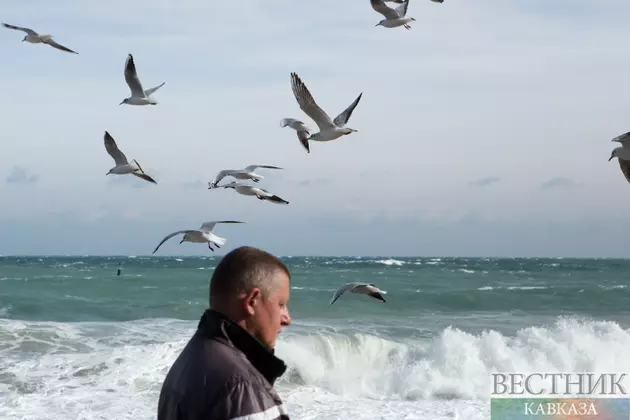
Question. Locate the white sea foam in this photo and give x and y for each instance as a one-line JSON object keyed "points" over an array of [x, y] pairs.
{"points": [[390, 261], [115, 370]]}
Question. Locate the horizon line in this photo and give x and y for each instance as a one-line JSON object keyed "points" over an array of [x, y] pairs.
{"points": [[495, 257]]}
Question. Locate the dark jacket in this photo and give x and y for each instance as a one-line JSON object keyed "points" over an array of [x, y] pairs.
{"points": [[223, 373]]}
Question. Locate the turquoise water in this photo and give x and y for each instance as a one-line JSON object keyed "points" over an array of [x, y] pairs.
{"points": [[75, 338]]}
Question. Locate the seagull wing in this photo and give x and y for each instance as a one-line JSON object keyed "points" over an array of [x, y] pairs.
{"points": [[342, 119], [54, 44], [308, 105], [19, 28], [290, 122], [297, 125], [624, 139], [209, 226], [625, 168], [149, 92], [220, 176], [384, 10], [251, 168], [275, 199], [113, 150], [144, 176], [169, 236], [343, 289], [374, 292], [131, 77], [303, 137], [402, 9]]}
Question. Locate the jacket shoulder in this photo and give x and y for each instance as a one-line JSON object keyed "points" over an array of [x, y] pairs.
{"points": [[211, 376], [243, 399]]}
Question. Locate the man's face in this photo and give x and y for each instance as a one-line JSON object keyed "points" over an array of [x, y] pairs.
{"points": [[271, 312]]}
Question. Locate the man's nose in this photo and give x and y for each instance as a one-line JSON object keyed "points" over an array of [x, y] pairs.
{"points": [[286, 319]]}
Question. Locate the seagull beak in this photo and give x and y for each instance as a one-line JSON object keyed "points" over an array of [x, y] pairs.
{"points": [[121, 103], [610, 158]]}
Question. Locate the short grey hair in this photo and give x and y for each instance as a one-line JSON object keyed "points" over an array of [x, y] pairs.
{"points": [[243, 269]]}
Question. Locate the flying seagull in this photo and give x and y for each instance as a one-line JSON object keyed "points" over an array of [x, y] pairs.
{"points": [[35, 38], [122, 165], [138, 95], [244, 174], [328, 129], [255, 191], [202, 235], [393, 17], [622, 154], [362, 288], [303, 132]]}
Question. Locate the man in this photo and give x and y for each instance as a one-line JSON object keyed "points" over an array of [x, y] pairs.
{"points": [[228, 368]]}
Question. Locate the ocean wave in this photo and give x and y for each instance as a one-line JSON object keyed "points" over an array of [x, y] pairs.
{"points": [[455, 364], [58, 370], [390, 261], [360, 261]]}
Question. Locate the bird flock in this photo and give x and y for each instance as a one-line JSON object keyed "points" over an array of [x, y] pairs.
{"points": [[328, 129]]}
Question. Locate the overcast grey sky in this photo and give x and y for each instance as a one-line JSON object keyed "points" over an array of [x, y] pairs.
{"points": [[485, 130]]}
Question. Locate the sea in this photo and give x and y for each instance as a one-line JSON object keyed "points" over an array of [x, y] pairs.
{"points": [[77, 341]]}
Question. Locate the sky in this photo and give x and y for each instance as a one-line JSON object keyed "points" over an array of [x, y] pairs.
{"points": [[483, 131]]}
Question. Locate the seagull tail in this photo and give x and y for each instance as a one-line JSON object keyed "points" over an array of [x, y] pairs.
{"points": [[219, 240]]}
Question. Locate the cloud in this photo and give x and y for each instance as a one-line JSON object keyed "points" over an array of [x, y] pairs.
{"points": [[560, 182], [483, 182], [20, 175]]}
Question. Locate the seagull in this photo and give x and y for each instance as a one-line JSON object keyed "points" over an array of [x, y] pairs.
{"points": [[393, 17], [245, 173], [328, 129], [122, 165], [362, 288], [258, 192], [623, 154], [202, 235], [35, 38], [138, 95], [303, 132]]}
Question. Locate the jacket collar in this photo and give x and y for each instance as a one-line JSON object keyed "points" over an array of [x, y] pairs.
{"points": [[214, 324]]}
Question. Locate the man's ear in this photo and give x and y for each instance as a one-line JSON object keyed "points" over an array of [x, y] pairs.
{"points": [[251, 301]]}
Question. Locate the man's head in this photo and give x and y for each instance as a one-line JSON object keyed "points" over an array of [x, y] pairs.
{"points": [[251, 287]]}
